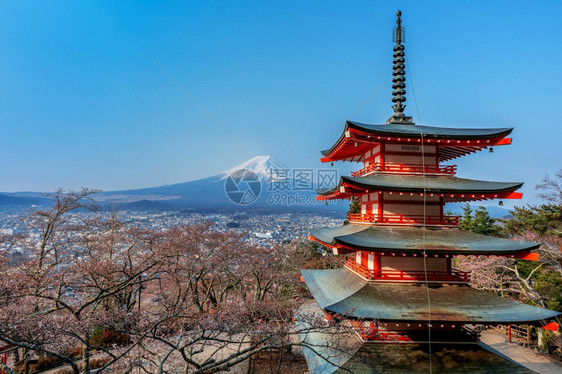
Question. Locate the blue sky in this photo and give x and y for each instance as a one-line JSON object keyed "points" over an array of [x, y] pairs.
{"points": [[82, 102]]}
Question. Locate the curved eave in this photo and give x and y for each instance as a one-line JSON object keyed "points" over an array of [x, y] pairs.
{"points": [[430, 131], [440, 185], [445, 185], [416, 239], [453, 142], [341, 292]]}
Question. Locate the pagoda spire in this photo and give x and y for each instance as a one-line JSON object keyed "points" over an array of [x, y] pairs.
{"points": [[399, 76]]}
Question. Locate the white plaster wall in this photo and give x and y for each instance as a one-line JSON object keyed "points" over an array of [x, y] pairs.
{"points": [[413, 263]]}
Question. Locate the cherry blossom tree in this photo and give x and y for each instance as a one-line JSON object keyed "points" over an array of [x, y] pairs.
{"points": [[218, 301], [536, 282], [188, 296], [82, 275]]}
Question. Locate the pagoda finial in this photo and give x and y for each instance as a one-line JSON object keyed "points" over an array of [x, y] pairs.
{"points": [[399, 75]]}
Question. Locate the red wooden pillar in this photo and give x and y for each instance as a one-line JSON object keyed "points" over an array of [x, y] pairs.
{"points": [[509, 333], [372, 330], [380, 207], [4, 358]]}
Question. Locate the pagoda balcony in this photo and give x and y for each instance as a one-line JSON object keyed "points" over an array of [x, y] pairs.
{"points": [[368, 331], [407, 276], [406, 169], [400, 219]]}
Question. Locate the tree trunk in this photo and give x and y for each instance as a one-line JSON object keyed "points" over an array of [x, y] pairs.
{"points": [[86, 354], [26, 354], [16, 355], [540, 339], [279, 360], [501, 286]]}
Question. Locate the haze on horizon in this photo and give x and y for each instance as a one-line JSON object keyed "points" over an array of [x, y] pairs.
{"points": [[83, 102]]}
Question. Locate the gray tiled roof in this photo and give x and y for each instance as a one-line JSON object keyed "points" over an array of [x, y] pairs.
{"points": [[342, 292], [430, 184], [416, 239], [427, 131]]}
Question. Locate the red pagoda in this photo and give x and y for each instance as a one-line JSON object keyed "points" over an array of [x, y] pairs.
{"points": [[398, 286]]}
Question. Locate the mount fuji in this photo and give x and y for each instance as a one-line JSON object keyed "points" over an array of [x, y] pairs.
{"points": [[263, 166], [247, 184], [198, 194], [243, 187]]}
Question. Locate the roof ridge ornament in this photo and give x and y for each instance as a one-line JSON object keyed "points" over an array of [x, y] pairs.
{"points": [[399, 76]]}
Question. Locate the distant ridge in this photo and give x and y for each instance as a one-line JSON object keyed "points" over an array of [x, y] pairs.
{"points": [[145, 205], [209, 194], [204, 194], [10, 200]]}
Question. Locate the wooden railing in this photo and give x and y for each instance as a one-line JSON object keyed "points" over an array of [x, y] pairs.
{"points": [[521, 332], [372, 333], [364, 218], [401, 219], [359, 269], [472, 332], [406, 169], [408, 275]]}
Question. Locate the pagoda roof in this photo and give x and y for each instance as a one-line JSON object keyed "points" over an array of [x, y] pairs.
{"points": [[468, 140], [339, 291], [444, 184], [415, 239]]}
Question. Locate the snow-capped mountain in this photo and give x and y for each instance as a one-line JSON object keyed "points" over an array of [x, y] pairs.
{"points": [[245, 186], [259, 183], [232, 189], [263, 166], [248, 185], [208, 192]]}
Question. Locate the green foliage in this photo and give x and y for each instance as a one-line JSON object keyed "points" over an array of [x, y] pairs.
{"points": [[543, 220], [540, 282], [547, 340], [354, 206], [466, 221], [546, 281], [483, 223], [480, 222], [540, 223]]}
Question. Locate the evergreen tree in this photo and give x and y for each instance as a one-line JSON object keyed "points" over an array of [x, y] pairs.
{"points": [[538, 283], [483, 223], [544, 220], [480, 222], [466, 221], [354, 208]]}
